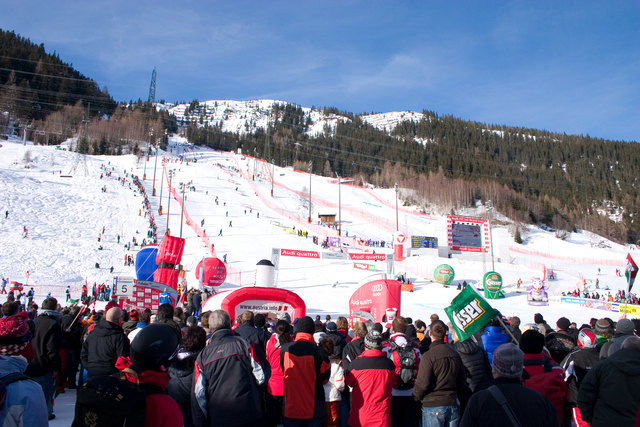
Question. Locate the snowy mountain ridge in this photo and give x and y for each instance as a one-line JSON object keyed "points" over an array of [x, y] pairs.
{"points": [[247, 116]]}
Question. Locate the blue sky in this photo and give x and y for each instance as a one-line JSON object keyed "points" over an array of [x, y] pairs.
{"points": [[562, 66]]}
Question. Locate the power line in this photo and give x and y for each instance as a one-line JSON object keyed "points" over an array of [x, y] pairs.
{"points": [[13, 58], [50, 75], [54, 93]]}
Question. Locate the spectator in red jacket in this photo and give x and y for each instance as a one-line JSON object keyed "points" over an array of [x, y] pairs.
{"points": [[372, 376], [306, 368], [544, 375], [151, 352], [275, 386], [405, 410]]}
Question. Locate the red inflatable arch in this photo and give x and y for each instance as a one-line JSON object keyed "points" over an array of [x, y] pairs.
{"points": [[376, 297], [264, 300]]}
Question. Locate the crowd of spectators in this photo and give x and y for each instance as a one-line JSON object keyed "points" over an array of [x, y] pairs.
{"points": [[621, 296], [255, 370]]}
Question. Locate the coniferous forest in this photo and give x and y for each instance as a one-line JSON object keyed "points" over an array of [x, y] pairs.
{"points": [[441, 163]]}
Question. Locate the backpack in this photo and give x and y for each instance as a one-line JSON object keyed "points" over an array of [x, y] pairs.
{"points": [[407, 369], [5, 381], [111, 400]]}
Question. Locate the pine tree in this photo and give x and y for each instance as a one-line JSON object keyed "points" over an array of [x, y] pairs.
{"points": [[83, 145], [518, 238]]}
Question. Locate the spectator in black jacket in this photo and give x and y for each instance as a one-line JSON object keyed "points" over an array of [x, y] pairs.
{"points": [[625, 328], [47, 340], [179, 317], [197, 303], [257, 337], [354, 348], [514, 322], [227, 379], [72, 344], [132, 323], [181, 370], [577, 364], [475, 362], [260, 322], [339, 342], [529, 407], [247, 330], [104, 345], [609, 394], [165, 315], [560, 343]]}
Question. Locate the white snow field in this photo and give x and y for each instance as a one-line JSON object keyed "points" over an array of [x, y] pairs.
{"points": [[65, 199]]}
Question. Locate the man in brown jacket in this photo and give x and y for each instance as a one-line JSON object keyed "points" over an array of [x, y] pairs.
{"points": [[440, 381]]}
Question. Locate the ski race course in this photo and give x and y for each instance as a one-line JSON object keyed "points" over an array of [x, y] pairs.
{"points": [[65, 200], [59, 198]]}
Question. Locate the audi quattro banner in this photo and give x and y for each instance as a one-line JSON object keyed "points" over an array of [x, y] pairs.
{"points": [[376, 297]]}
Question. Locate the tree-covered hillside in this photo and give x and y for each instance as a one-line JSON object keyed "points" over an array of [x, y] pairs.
{"points": [[532, 176], [34, 84]]}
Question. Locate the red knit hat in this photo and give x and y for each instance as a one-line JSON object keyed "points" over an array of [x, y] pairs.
{"points": [[15, 336]]}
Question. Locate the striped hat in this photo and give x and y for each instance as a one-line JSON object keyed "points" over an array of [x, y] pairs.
{"points": [[15, 336]]}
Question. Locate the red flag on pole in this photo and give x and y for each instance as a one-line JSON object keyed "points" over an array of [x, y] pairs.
{"points": [[632, 270]]}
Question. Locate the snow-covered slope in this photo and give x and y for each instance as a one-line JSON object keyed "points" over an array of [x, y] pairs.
{"points": [[65, 199]]}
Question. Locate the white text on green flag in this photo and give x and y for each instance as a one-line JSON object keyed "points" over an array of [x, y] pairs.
{"points": [[469, 312]]}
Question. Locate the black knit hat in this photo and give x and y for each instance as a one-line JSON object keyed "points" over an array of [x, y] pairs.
{"points": [[532, 342], [305, 324], [563, 323]]}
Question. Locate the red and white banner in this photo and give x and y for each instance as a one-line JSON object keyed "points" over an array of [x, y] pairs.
{"points": [[299, 254], [368, 257], [376, 297]]}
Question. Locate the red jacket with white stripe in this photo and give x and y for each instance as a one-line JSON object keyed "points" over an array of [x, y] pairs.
{"points": [[372, 376]]}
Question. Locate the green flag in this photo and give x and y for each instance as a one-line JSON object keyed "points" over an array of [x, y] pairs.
{"points": [[469, 312]]}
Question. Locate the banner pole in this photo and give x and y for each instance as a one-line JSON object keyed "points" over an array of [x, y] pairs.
{"points": [[626, 296], [75, 318], [507, 330]]}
